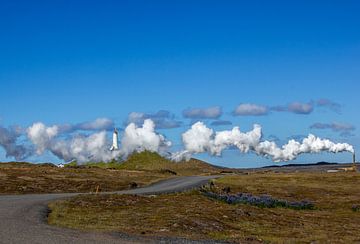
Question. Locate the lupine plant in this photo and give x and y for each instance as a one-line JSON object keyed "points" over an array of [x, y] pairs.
{"points": [[265, 201]]}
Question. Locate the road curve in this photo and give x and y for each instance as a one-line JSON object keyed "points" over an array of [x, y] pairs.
{"points": [[22, 217]]}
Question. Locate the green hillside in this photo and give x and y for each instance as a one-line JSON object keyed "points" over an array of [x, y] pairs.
{"points": [[151, 161]]}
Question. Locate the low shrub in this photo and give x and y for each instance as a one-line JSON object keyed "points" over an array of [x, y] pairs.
{"points": [[355, 208], [265, 201]]}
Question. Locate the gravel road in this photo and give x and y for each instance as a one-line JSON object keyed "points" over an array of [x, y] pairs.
{"points": [[23, 217]]}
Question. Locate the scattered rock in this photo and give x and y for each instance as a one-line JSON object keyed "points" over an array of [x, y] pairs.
{"points": [[133, 185], [168, 171], [226, 189]]}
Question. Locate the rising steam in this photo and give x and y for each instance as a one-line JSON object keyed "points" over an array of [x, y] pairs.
{"points": [[143, 138], [95, 147], [68, 144], [200, 139], [9, 141]]}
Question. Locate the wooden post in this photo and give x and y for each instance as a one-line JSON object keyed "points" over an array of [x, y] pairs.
{"points": [[354, 162], [97, 189]]}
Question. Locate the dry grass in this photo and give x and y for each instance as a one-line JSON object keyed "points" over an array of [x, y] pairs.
{"points": [[192, 215], [19, 178], [142, 168], [151, 161]]}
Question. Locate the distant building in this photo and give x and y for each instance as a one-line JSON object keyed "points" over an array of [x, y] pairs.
{"points": [[115, 145], [62, 165]]}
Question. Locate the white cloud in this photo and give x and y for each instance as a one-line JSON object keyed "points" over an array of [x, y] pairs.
{"points": [[98, 124], [203, 113], [343, 128], [248, 109], [300, 108], [163, 119]]}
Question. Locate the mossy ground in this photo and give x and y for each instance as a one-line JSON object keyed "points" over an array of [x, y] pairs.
{"points": [[141, 168], [195, 216], [151, 161], [20, 178]]}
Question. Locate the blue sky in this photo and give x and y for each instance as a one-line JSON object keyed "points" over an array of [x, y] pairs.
{"points": [[75, 61]]}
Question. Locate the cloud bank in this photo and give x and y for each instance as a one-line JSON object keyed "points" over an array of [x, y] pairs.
{"points": [[250, 109], [96, 125], [163, 119], [327, 103], [296, 108], [342, 128], [246, 109], [203, 113]]}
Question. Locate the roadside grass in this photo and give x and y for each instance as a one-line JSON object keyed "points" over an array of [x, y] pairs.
{"points": [[195, 216]]}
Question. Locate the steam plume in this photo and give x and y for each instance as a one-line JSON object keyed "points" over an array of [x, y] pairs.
{"points": [[8, 140], [95, 147], [199, 139], [41, 136], [143, 138]]}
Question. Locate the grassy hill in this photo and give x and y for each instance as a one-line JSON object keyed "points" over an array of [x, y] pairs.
{"points": [[151, 161]]}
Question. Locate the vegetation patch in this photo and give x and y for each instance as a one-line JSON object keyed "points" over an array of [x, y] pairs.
{"points": [[23, 178], [152, 161], [138, 170], [264, 201], [355, 208], [195, 216]]}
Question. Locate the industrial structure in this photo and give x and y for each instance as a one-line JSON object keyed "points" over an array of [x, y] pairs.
{"points": [[354, 162]]}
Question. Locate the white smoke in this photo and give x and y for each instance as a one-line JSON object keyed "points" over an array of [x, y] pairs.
{"points": [[95, 147], [80, 147], [84, 148], [292, 149], [9, 140], [143, 138], [41, 136], [199, 139]]}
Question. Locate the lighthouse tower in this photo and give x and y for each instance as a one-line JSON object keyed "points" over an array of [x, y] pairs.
{"points": [[115, 141]]}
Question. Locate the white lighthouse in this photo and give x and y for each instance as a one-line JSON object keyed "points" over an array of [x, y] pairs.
{"points": [[115, 141]]}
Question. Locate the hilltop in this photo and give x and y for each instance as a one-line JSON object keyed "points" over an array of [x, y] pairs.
{"points": [[151, 161]]}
